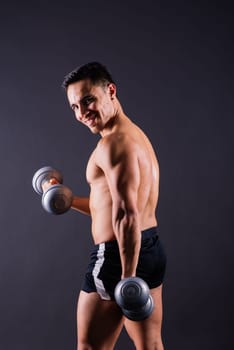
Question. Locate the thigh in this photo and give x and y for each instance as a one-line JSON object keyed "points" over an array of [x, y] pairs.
{"points": [[147, 334], [99, 322]]}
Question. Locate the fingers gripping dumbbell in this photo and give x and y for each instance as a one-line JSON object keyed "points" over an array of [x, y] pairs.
{"points": [[56, 198], [133, 296]]}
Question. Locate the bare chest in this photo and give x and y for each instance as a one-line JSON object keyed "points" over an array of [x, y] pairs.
{"points": [[93, 172]]}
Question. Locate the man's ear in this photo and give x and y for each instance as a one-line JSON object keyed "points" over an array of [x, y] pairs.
{"points": [[112, 90]]}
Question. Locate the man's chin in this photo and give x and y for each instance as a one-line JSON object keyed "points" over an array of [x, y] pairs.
{"points": [[94, 130]]}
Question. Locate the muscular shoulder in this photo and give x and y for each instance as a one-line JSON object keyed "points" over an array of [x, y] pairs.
{"points": [[115, 148]]}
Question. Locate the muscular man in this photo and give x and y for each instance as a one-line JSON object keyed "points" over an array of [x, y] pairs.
{"points": [[123, 175]]}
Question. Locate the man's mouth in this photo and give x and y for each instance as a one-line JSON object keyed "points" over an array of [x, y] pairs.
{"points": [[90, 119]]}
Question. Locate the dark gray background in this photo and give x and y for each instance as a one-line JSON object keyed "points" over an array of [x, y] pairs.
{"points": [[173, 64]]}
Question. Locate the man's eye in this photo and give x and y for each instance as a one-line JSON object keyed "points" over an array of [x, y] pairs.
{"points": [[88, 100]]}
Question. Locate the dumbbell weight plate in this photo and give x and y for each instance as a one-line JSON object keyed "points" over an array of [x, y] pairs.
{"points": [[45, 174], [130, 292], [133, 296], [57, 199], [141, 313]]}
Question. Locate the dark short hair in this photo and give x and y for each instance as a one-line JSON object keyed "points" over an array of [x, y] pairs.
{"points": [[95, 71]]}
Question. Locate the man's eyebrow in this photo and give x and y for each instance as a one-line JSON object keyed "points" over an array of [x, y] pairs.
{"points": [[86, 96]]}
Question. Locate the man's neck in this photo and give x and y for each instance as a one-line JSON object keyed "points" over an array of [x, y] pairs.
{"points": [[115, 122]]}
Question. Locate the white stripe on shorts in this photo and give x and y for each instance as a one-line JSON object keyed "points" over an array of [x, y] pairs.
{"points": [[98, 265]]}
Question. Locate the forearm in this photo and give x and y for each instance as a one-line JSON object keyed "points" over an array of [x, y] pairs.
{"points": [[81, 204], [128, 235]]}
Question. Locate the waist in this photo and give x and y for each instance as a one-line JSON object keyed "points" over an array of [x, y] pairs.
{"points": [[145, 234]]}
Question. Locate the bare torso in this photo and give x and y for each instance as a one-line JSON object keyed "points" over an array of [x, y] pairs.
{"points": [[100, 197]]}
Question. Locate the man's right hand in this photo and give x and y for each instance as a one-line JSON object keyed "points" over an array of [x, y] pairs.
{"points": [[56, 198]]}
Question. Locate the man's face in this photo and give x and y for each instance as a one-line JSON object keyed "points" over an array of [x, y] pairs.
{"points": [[92, 104]]}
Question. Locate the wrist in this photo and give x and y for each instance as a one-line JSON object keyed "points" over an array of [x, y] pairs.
{"points": [[127, 275]]}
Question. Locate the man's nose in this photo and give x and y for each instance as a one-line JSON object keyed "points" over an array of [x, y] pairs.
{"points": [[81, 113]]}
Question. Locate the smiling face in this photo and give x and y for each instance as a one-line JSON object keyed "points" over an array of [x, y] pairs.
{"points": [[93, 105]]}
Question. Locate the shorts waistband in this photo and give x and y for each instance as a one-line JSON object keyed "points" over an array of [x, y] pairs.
{"points": [[149, 232]]}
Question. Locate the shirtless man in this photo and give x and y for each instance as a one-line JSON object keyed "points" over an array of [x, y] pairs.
{"points": [[123, 175]]}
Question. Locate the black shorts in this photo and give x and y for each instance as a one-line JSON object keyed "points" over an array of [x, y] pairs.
{"points": [[104, 270]]}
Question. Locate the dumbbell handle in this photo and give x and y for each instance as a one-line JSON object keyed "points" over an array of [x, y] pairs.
{"points": [[46, 184]]}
